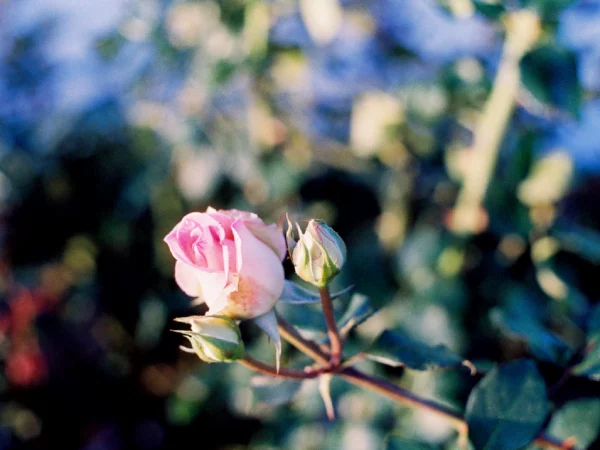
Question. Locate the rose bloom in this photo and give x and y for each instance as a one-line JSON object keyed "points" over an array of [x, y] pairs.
{"points": [[230, 260]]}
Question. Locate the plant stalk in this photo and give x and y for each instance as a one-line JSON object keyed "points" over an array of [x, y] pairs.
{"points": [[332, 330], [522, 31], [266, 369], [309, 348], [392, 391]]}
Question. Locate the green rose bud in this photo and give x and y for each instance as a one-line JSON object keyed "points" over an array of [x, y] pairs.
{"points": [[213, 338], [319, 254]]}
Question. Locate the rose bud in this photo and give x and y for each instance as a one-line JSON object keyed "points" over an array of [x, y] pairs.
{"points": [[213, 338], [229, 260], [319, 254]]}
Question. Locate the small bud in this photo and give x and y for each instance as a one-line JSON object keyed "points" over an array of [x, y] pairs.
{"points": [[319, 254], [213, 338]]}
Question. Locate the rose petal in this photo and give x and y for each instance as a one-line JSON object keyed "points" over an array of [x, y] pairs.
{"points": [[270, 235], [223, 219], [209, 287], [196, 240], [261, 275], [228, 216], [187, 279], [213, 289]]}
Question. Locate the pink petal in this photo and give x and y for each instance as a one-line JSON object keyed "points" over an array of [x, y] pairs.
{"points": [[186, 278], [270, 235], [196, 240], [208, 287], [261, 276]]}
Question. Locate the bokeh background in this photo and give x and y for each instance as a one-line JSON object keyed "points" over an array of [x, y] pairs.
{"points": [[118, 117]]}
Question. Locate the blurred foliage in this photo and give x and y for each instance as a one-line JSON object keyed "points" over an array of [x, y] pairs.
{"points": [[117, 117]]}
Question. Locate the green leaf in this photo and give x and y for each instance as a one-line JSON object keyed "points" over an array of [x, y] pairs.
{"points": [[581, 241], [541, 342], [303, 317], [359, 310], [549, 10], [590, 366], [268, 323], [579, 419], [395, 349], [271, 391], [593, 324], [491, 10], [294, 294], [400, 443], [549, 72], [507, 408]]}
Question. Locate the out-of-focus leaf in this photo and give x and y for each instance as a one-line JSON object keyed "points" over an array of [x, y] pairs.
{"points": [[459, 443], [268, 323], [400, 443], [548, 10], [323, 19], [579, 419], [223, 71], [581, 241], [153, 316], [550, 74], [273, 391], [396, 349], [295, 294], [303, 317], [593, 325], [548, 181], [359, 310], [490, 10], [507, 408], [181, 411], [540, 341], [418, 256], [590, 366], [233, 14]]}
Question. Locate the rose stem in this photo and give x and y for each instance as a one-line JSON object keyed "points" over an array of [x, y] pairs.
{"points": [[402, 395], [290, 334], [332, 331], [259, 366], [390, 390]]}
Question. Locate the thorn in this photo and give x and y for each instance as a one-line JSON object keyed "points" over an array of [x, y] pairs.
{"points": [[469, 365], [325, 391]]}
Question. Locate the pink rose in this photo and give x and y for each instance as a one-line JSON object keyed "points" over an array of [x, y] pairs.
{"points": [[229, 259]]}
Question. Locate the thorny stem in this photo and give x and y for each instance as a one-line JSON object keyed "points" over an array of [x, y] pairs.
{"points": [[290, 334], [374, 384], [332, 331], [403, 396], [266, 369]]}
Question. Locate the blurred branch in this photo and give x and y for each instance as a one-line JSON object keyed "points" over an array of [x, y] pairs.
{"points": [[522, 31]]}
